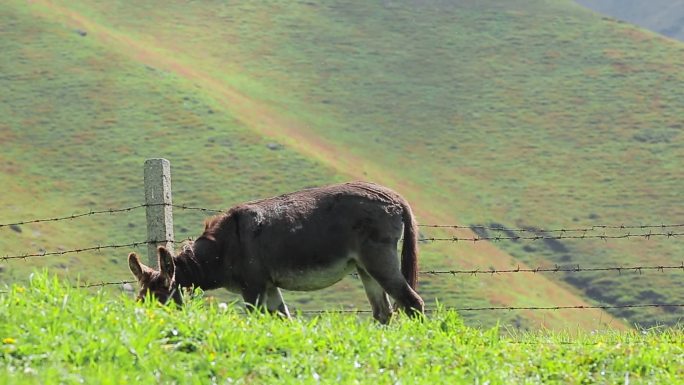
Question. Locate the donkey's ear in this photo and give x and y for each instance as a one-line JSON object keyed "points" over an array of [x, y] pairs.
{"points": [[166, 265], [135, 266]]}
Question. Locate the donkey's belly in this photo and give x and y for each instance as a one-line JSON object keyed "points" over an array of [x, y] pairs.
{"points": [[314, 278]]}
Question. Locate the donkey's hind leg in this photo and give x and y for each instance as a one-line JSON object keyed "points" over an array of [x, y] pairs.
{"points": [[377, 297], [275, 303], [382, 264]]}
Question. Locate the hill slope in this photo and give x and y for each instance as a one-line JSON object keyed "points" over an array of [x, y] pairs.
{"points": [[116, 112], [482, 107]]}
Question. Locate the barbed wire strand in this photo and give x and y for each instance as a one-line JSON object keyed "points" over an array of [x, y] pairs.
{"points": [[107, 211], [560, 230], [509, 308], [602, 343], [556, 269], [471, 227], [603, 237], [503, 228], [103, 284], [491, 271], [428, 311], [530, 229], [73, 216], [76, 251]]}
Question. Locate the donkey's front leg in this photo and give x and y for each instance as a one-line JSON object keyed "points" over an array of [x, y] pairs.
{"points": [[262, 298], [254, 297], [275, 303]]}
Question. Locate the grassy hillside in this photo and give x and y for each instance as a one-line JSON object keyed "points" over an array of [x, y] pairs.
{"points": [[53, 334], [520, 113], [79, 119]]}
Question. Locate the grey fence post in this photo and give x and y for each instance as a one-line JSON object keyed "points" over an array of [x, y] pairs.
{"points": [[158, 210]]}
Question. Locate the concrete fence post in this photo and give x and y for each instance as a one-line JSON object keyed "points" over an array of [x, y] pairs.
{"points": [[159, 211]]}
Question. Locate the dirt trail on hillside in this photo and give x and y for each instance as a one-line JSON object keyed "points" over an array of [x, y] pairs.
{"points": [[266, 121]]}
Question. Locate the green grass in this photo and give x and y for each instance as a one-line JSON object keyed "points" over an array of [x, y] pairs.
{"points": [[52, 333], [523, 113]]}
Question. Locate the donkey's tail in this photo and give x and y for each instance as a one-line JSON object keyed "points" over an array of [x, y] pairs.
{"points": [[409, 251]]}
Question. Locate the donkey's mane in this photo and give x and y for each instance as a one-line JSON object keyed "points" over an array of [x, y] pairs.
{"points": [[200, 263], [211, 223], [221, 223]]}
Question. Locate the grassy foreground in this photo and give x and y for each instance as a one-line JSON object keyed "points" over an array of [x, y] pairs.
{"points": [[52, 333]]}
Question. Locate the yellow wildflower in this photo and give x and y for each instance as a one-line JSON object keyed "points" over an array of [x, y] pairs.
{"points": [[8, 340]]}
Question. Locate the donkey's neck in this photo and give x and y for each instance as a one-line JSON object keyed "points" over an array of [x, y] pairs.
{"points": [[201, 269]]}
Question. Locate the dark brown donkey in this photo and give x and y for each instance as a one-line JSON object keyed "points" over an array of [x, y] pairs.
{"points": [[306, 240]]}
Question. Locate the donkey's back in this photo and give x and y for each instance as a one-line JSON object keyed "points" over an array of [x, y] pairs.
{"points": [[333, 221]]}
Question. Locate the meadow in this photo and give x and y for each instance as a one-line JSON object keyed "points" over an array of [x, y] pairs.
{"points": [[525, 113], [52, 333]]}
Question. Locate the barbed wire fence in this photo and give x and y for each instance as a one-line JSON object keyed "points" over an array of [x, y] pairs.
{"points": [[665, 232], [505, 308], [160, 200]]}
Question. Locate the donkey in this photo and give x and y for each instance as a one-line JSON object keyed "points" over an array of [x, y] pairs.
{"points": [[305, 240]]}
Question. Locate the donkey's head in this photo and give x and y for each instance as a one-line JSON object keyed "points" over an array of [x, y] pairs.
{"points": [[161, 284]]}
